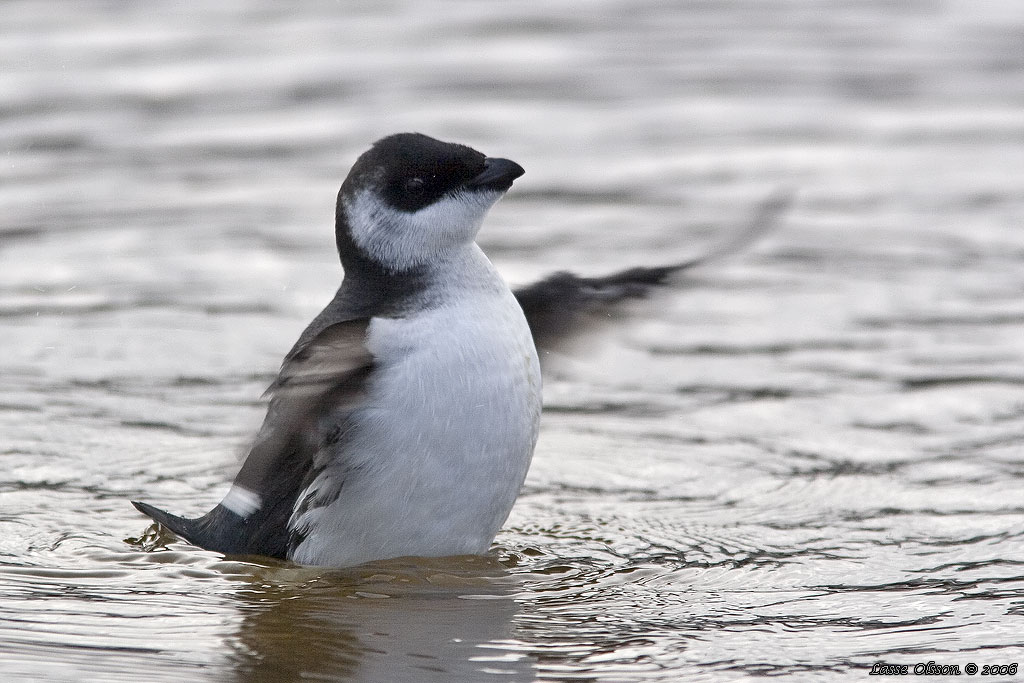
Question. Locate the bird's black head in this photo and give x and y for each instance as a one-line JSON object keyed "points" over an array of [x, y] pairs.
{"points": [[411, 197]]}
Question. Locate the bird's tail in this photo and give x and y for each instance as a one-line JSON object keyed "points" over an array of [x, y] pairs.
{"points": [[225, 531], [185, 528]]}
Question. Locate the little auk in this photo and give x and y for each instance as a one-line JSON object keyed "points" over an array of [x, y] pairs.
{"points": [[403, 421]]}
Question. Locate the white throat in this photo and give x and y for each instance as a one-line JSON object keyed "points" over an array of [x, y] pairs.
{"points": [[401, 240]]}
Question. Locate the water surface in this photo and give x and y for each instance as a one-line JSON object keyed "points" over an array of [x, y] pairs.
{"points": [[801, 461]]}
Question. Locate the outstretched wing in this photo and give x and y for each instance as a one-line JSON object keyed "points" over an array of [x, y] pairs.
{"points": [[328, 372], [563, 306]]}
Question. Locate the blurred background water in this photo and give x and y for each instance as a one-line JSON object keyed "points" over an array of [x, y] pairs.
{"points": [[803, 460]]}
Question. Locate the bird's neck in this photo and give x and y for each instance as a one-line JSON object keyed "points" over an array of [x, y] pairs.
{"points": [[455, 273]]}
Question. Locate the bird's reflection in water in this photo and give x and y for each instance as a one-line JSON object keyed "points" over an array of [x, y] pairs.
{"points": [[401, 620]]}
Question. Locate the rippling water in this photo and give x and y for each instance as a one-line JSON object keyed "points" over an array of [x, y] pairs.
{"points": [[804, 460]]}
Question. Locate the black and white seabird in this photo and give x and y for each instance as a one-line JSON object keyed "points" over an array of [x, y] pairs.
{"points": [[403, 421]]}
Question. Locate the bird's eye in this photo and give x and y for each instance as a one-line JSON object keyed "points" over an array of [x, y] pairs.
{"points": [[414, 185]]}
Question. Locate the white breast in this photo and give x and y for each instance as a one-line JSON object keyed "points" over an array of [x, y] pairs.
{"points": [[436, 457]]}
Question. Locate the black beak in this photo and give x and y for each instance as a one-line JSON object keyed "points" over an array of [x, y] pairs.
{"points": [[498, 175]]}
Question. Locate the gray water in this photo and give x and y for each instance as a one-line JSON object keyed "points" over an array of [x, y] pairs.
{"points": [[802, 460]]}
